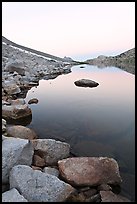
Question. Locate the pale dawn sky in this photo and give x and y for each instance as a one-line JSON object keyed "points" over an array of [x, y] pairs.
{"points": [[81, 30]]}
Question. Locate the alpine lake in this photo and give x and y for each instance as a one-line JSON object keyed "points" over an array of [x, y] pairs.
{"points": [[98, 121]]}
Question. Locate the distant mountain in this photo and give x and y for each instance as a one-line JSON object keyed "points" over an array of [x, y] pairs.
{"points": [[52, 57], [125, 61]]}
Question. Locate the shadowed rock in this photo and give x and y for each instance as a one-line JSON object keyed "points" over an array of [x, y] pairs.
{"points": [[109, 196], [86, 83], [38, 161], [33, 100]]}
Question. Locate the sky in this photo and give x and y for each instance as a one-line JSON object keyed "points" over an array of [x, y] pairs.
{"points": [[80, 30]]}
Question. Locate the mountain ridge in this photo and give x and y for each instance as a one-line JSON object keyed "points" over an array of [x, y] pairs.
{"points": [[125, 61], [9, 42]]}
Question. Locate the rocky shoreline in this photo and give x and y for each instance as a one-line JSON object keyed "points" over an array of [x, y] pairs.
{"points": [[44, 170]]}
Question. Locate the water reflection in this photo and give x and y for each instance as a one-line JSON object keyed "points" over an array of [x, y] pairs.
{"points": [[95, 122]]}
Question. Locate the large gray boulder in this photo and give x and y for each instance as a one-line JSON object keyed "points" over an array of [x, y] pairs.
{"points": [[51, 150], [37, 186], [12, 196], [86, 83], [15, 151], [90, 171]]}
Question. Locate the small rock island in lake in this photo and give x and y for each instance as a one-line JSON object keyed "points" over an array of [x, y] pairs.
{"points": [[86, 83]]}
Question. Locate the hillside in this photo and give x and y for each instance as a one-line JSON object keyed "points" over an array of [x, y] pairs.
{"points": [[125, 61], [65, 59]]}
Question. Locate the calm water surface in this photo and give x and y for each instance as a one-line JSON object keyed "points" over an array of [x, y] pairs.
{"points": [[97, 121]]}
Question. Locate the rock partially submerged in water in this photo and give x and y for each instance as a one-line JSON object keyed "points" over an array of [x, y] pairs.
{"points": [[33, 100], [19, 131], [16, 110], [86, 83]]}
